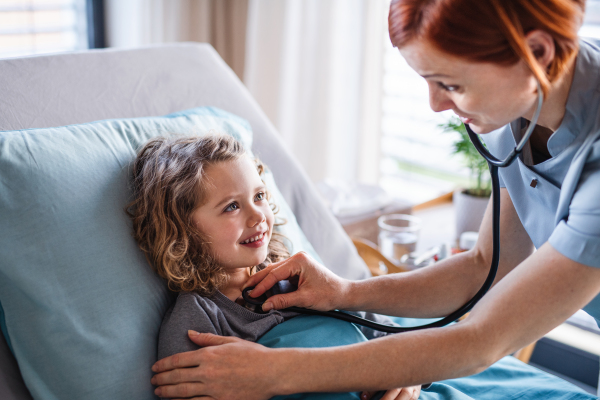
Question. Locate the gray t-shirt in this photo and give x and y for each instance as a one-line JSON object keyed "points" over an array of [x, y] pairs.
{"points": [[219, 315], [215, 314]]}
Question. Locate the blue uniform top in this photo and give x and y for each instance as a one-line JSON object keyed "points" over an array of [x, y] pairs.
{"points": [[564, 207]]}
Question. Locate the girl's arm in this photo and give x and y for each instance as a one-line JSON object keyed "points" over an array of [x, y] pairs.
{"points": [[537, 296]]}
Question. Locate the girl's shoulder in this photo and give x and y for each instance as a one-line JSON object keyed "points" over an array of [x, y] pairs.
{"points": [[192, 301], [190, 311]]}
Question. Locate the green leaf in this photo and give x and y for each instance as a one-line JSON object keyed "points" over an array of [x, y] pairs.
{"points": [[463, 147]]}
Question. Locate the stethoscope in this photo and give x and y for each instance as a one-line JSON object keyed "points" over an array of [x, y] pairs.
{"points": [[493, 163]]}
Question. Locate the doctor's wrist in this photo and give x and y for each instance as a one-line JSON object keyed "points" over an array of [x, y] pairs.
{"points": [[345, 298], [288, 372]]}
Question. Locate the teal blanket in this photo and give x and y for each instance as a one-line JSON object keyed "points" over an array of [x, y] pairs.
{"points": [[507, 379]]}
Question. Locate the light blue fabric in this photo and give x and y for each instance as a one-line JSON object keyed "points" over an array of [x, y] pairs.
{"points": [[314, 331], [80, 306], [564, 207], [507, 379]]}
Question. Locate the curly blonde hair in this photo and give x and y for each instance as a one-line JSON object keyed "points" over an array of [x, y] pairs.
{"points": [[167, 187]]}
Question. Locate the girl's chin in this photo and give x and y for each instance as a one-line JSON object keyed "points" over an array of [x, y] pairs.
{"points": [[244, 261], [260, 258]]}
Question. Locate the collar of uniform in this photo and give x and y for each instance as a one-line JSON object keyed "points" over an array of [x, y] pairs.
{"points": [[582, 100]]}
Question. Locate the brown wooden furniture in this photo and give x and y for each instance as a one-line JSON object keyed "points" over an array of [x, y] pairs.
{"points": [[368, 251]]}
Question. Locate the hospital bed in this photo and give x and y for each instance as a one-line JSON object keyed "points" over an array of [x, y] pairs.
{"points": [[63, 89]]}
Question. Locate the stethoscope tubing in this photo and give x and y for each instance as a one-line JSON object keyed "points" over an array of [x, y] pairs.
{"points": [[493, 163], [344, 316]]}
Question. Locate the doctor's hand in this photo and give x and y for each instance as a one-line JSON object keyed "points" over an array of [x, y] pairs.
{"points": [[225, 368], [318, 288]]}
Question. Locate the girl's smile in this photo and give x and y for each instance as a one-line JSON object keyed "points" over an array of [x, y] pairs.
{"points": [[256, 241]]}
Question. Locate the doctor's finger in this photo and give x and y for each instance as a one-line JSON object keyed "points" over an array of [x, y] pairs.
{"points": [[281, 301], [284, 271], [185, 390], [173, 377], [209, 339], [259, 276], [180, 360]]}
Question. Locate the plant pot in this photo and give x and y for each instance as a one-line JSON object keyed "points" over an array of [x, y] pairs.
{"points": [[469, 211]]}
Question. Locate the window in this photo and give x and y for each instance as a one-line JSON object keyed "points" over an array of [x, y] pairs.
{"points": [[42, 26], [416, 161], [591, 23]]}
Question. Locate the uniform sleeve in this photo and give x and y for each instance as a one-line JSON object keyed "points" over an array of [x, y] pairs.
{"points": [[578, 237], [189, 312]]}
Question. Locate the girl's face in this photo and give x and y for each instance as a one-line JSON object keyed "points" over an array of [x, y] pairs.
{"points": [[236, 217], [484, 95]]}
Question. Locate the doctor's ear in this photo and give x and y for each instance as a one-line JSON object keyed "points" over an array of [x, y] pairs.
{"points": [[541, 44]]}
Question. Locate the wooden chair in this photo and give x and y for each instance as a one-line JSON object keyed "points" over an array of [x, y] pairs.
{"points": [[380, 265]]}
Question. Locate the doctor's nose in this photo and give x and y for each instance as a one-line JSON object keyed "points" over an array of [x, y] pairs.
{"points": [[438, 99]]}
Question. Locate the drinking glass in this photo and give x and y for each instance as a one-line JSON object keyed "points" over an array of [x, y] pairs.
{"points": [[398, 235]]}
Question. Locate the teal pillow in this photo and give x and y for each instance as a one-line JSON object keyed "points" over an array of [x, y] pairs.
{"points": [[79, 305]]}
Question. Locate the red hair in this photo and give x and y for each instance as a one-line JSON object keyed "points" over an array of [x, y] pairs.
{"points": [[491, 30]]}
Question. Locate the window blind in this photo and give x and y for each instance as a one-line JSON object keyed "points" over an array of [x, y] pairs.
{"points": [[42, 26]]}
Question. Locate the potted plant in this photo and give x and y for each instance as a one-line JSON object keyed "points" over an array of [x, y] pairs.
{"points": [[469, 203]]}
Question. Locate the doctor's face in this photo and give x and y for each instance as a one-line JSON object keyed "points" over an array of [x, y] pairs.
{"points": [[484, 95]]}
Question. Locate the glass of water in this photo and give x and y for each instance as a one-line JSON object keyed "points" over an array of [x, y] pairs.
{"points": [[398, 235]]}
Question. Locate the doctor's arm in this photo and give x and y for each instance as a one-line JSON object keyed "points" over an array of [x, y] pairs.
{"points": [[430, 292], [537, 296]]}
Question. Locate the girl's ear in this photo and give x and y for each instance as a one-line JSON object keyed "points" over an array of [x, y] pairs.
{"points": [[260, 167]]}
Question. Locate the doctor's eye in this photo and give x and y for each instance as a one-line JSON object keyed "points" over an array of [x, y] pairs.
{"points": [[231, 207], [260, 196], [447, 88]]}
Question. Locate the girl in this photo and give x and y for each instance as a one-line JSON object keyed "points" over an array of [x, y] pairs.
{"points": [[202, 216]]}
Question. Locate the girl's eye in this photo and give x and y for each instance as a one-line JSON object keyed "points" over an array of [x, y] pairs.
{"points": [[232, 207], [259, 196], [447, 88]]}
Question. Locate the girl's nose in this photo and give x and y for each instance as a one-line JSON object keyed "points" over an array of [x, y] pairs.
{"points": [[256, 217]]}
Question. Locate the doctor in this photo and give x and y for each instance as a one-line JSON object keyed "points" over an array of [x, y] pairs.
{"points": [[481, 59]]}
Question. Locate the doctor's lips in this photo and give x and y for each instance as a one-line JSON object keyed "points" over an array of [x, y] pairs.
{"points": [[256, 240], [465, 120]]}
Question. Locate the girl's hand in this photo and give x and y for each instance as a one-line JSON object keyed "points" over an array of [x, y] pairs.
{"points": [[407, 393], [318, 288], [225, 368]]}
